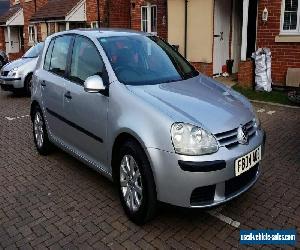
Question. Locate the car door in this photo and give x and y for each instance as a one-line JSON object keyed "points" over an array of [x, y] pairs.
{"points": [[52, 80], [86, 112]]}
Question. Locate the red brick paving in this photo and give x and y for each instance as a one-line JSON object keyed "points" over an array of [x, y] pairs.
{"points": [[57, 202]]}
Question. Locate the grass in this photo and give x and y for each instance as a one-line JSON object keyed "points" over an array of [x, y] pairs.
{"points": [[275, 96]]}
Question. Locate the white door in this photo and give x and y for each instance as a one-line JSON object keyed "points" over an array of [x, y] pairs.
{"points": [[222, 15], [14, 40]]}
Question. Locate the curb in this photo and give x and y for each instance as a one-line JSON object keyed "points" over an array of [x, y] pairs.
{"points": [[276, 104]]}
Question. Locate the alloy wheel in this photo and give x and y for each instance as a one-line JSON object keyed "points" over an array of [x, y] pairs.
{"points": [[38, 129], [131, 183]]}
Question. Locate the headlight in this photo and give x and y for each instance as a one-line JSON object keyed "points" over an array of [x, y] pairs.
{"points": [[256, 120], [191, 140], [13, 72]]}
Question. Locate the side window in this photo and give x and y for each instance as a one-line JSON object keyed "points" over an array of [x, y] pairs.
{"points": [[86, 60], [58, 63], [48, 55]]}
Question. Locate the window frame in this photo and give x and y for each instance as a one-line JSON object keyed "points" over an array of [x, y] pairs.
{"points": [[289, 32], [104, 76], [94, 25], [148, 8], [65, 75], [32, 36]]}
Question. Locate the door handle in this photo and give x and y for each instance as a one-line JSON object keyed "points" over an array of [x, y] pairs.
{"points": [[68, 95], [43, 83]]}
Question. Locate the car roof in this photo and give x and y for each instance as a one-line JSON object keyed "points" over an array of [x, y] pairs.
{"points": [[103, 32]]}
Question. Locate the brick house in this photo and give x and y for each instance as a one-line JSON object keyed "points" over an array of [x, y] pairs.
{"points": [[210, 32], [281, 33], [14, 26]]}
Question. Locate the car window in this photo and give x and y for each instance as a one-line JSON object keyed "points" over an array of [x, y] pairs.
{"points": [[34, 51], [58, 62], [142, 60], [48, 55], [86, 60]]}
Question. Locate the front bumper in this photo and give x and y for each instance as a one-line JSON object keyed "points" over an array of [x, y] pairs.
{"points": [[206, 188], [11, 83]]}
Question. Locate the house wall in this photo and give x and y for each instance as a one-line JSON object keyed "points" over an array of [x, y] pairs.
{"points": [[119, 14], [92, 12], [199, 31], [284, 54]]}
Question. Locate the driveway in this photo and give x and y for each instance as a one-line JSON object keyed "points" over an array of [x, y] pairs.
{"points": [[57, 202]]}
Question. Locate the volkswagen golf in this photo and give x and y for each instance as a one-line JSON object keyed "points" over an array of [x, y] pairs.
{"points": [[131, 107]]}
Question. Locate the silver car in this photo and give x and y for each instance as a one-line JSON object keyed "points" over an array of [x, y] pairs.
{"points": [[131, 107], [17, 75]]}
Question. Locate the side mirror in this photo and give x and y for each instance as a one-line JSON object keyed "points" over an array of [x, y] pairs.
{"points": [[94, 84]]}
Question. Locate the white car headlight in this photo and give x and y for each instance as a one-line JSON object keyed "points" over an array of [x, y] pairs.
{"points": [[13, 72], [192, 140]]}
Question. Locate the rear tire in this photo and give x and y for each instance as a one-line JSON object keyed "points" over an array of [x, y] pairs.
{"points": [[136, 183], [40, 134], [28, 85]]}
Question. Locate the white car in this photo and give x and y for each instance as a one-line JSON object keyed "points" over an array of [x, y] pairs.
{"points": [[17, 74]]}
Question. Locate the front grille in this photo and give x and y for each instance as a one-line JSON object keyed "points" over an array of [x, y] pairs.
{"points": [[4, 73], [228, 139], [235, 184], [203, 195]]}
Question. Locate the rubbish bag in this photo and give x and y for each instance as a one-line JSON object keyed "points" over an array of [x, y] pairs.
{"points": [[263, 62]]}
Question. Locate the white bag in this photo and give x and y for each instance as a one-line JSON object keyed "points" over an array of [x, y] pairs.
{"points": [[263, 79]]}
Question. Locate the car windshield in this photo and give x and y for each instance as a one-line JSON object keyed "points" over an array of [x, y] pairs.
{"points": [[145, 60], [34, 51]]}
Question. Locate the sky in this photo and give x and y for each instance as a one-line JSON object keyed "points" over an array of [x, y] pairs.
{"points": [[4, 4]]}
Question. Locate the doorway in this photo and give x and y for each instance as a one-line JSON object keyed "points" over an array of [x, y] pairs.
{"points": [[222, 19]]}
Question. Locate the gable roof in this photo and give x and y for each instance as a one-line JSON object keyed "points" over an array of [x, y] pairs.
{"points": [[10, 13], [54, 10]]}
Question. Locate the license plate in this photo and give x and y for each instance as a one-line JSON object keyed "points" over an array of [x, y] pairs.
{"points": [[247, 161]]}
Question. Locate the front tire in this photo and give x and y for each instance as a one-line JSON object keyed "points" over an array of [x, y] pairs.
{"points": [[136, 183], [40, 135]]}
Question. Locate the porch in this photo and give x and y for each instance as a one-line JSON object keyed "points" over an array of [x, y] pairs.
{"points": [[11, 24], [210, 33]]}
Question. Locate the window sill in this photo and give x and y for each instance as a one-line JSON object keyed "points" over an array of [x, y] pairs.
{"points": [[287, 38]]}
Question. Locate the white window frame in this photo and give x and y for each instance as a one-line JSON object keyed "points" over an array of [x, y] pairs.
{"points": [[148, 8], [32, 36], [94, 25], [289, 32]]}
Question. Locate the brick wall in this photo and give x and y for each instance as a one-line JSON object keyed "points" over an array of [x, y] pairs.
{"points": [[162, 27], [2, 39], [284, 55], [119, 14], [92, 12], [205, 68], [246, 74]]}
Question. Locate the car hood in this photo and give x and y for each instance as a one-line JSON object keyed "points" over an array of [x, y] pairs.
{"points": [[200, 101], [17, 63]]}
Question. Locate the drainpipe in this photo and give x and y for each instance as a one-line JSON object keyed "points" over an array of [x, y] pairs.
{"points": [[130, 13], [108, 13], [185, 27], [98, 13], [34, 5]]}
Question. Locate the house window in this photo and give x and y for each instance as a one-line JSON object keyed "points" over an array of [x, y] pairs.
{"points": [[149, 18], [32, 34], [94, 25], [290, 17]]}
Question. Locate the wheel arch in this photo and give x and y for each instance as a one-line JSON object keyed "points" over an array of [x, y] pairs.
{"points": [[33, 105], [27, 76], [119, 140]]}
